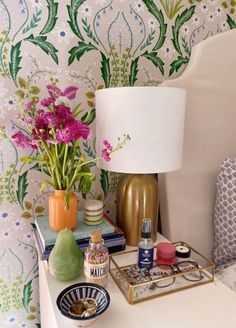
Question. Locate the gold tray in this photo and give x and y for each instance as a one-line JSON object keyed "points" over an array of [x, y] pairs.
{"points": [[154, 286]]}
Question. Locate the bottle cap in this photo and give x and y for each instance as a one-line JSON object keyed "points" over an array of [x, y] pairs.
{"points": [[96, 236], [182, 251], [146, 228]]}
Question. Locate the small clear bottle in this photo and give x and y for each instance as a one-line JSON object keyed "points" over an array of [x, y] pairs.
{"points": [[96, 260], [145, 246]]}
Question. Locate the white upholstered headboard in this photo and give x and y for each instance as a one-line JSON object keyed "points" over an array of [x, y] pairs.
{"points": [[187, 196]]}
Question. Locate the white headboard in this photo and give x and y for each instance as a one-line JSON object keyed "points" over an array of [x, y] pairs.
{"points": [[187, 196]]}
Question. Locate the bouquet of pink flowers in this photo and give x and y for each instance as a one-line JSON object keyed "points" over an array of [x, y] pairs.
{"points": [[54, 131]]}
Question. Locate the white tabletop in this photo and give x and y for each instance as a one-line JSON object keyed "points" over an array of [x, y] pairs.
{"points": [[209, 305]]}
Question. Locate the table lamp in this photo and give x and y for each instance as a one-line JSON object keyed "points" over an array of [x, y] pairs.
{"points": [[154, 119]]}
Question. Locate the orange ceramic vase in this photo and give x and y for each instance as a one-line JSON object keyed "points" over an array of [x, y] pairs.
{"points": [[59, 216]]}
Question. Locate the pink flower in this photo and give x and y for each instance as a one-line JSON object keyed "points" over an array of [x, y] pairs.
{"points": [[16, 116], [64, 135], [83, 129], [63, 111], [73, 131], [47, 101], [54, 91], [105, 155], [70, 92], [28, 120], [52, 119], [107, 145], [106, 151], [27, 106], [20, 140]]}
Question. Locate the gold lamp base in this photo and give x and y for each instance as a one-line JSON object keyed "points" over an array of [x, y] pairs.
{"points": [[137, 198]]}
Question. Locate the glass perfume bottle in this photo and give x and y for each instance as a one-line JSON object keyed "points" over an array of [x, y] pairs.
{"points": [[145, 246]]}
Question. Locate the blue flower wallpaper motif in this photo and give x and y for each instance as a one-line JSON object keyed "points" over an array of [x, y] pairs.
{"points": [[93, 44]]}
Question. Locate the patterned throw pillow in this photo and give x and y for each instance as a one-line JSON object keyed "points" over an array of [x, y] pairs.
{"points": [[224, 252]]}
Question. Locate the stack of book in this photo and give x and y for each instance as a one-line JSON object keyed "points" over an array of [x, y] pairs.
{"points": [[45, 237]]}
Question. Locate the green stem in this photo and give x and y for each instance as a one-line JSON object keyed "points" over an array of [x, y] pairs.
{"points": [[27, 17], [6, 36], [64, 160]]}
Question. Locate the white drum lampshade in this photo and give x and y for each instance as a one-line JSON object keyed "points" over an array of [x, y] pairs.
{"points": [[154, 119]]}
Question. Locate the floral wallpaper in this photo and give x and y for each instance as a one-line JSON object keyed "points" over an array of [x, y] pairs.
{"points": [[93, 44]]}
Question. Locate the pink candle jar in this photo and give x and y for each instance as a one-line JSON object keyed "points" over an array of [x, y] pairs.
{"points": [[165, 253]]}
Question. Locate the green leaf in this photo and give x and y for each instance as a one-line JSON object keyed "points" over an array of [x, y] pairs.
{"points": [[21, 83], [27, 205], [85, 184], [88, 30], [46, 46], [105, 70], [34, 21], [231, 22], [32, 308], [149, 40], [155, 60], [22, 186], [88, 150], [52, 17], [180, 20], [14, 64], [90, 94], [152, 8], [176, 64], [171, 7], [79, 51], [73, 12], [26, 159], [133, 72], [89, 117], [27, 292], [38, 325], [39, 209], [26, 215], [104, 180], [31, 317]]}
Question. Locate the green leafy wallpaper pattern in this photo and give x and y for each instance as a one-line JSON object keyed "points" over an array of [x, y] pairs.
{"points": [[93, 44]]}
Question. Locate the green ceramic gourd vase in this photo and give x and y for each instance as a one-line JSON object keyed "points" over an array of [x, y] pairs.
{"points": [[66, 259]]}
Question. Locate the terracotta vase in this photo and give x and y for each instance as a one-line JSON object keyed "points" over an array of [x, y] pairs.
{"points": [[59, 216]]}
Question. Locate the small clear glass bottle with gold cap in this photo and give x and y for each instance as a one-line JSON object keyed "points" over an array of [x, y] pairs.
{"points": [[96, 260]]}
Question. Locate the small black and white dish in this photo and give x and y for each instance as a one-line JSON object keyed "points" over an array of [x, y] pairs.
{"points": [[82, 291]]}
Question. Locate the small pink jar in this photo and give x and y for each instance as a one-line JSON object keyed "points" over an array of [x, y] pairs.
{"points": [[165, 253]]}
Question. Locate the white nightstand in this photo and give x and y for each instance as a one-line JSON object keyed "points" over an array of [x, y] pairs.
{"points": [[209, 306]]}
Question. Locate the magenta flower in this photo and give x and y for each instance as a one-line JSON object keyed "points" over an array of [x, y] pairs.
{"points": [[72, 131], [47, 101], [64, 135], [106, 151], [70, 92], [54, 91], [83, 129], [107, 145], [105, 155], [52, 120], [63, 111], [27, 106], [20, 140]]}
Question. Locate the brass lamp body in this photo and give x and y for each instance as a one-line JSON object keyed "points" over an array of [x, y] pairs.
{"points": [[137, 198]]}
